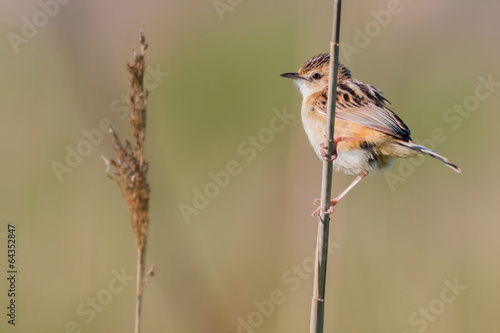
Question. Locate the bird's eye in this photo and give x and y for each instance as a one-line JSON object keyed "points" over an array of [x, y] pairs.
{"points": [[316, 76]]}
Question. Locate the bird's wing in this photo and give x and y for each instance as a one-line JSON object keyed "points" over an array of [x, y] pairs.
{"points": [[368, 109], [379, 118]]}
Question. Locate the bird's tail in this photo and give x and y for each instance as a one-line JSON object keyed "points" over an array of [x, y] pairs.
{"points": [[427, 151]]}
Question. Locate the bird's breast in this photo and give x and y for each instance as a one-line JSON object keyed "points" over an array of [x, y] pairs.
{"points": [[314, 126]]}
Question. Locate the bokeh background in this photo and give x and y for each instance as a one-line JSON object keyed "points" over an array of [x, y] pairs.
{"points": [[396, 248]]}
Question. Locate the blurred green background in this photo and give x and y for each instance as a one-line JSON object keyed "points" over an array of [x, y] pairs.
{"points": [[242, 263]]}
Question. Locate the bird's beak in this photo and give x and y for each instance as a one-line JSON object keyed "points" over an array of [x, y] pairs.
{"points": [[293, 76]]}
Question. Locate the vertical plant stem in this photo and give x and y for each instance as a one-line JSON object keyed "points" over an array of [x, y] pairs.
{"points": [[318, 298], [141, 261]]}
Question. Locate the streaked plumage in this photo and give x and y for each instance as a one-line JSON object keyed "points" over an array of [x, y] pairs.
{"points": [[361, 112]]}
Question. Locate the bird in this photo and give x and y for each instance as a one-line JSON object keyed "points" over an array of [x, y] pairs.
{"points": [[368, 136]]}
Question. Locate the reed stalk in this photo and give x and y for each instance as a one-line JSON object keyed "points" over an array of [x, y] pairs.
{"points": [[318, 298]]}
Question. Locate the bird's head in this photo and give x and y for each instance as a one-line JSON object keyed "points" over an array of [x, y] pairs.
{"points": [[313, 75]]}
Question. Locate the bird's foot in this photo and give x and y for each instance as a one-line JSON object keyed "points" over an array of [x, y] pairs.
{"points": [[324, 152], [324, 148], [328, 211]]}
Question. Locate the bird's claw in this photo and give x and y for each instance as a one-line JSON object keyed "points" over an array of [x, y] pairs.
{"points": [[328, 211], [324, 153]]}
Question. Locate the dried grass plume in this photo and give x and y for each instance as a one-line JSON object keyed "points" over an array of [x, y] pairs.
{"points": [[129, 168]]}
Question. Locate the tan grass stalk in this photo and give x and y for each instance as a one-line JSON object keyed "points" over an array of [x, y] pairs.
{"points": [[318, 298]]}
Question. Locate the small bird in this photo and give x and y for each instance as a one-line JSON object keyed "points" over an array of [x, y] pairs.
{"points": [[367, 134]]}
